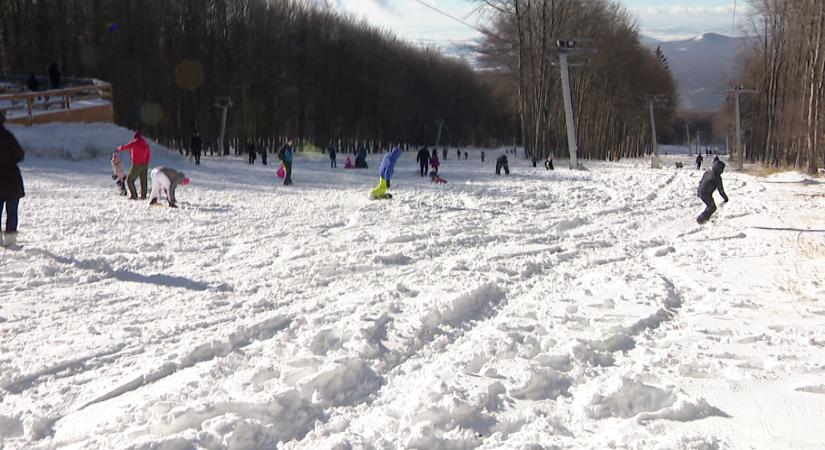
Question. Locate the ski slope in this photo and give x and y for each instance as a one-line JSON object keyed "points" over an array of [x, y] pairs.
{"points": [[540, 310]]}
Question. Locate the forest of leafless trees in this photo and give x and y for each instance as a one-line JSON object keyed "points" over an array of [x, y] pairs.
{"points": [[290, 68], [785, 120], [610, 87]]}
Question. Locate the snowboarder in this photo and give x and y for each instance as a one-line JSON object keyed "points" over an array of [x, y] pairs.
{"points": [[385, 174], [250, 149], [423, 160], [548, 163], [118, 174], [166, 180], [195, 145], [141, 155], [333, 164], [711, 181], [699, 160], [285, 155], [11, 182], [501, 163]]}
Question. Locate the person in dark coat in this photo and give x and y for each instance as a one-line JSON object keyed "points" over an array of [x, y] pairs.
{"points": [[32, 84], [423, 159], [333, 164], [11, 182], [250, 149], [444, 153], [195, 146], [482, 156], [54, 76], [361, 158], [699, 160], [458, 154], [501, 163], [263, 155], [711, 181]]}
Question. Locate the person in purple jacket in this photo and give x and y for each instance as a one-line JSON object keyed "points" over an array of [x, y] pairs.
{"points": [[385, 173]]}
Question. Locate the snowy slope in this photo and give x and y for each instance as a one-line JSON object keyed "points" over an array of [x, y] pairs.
{"points": [[537, 310]]}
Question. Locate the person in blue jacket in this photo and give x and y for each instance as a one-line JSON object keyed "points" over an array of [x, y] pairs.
{"points": [[385, 174], [285, 155]]}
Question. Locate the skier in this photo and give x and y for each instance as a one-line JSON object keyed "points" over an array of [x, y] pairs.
{"points": [[385, 174], [333, 164], [11, 182], [699, 160], [285, 155], [250, 148], [548, 163], [195, 145], [118, 174], [711, 181], [141, 155], [501, 163], [423, 160], [166, 180]]}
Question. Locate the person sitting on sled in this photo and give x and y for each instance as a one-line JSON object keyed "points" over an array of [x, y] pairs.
{"points": [[166, 180], [711, 181], [385, 174], [118, 174], [348, 164], [435, 178]]}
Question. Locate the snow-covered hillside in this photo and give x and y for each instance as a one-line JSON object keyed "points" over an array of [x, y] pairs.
{"points": [[565, 309]]}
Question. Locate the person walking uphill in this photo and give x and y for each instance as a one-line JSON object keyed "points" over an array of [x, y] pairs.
{"points": [[385, 174], [11, 182], [711, 181], [285, 155], [423, 160], [141, 156], [699, 161]]}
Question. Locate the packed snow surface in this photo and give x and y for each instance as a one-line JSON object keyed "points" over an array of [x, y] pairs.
{"points": [[539, 310]]}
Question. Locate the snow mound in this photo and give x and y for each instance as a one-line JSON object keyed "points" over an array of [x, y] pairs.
{"points": [[647, 403], [74, 141]]}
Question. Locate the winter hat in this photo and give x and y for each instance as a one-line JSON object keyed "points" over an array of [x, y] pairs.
{"points": [[185, 181]]}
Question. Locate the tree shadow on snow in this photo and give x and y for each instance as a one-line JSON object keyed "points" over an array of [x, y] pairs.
{"points": [[102, 266]]}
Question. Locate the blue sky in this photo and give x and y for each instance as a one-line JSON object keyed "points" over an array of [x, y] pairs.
{"points": [[662, 19]]}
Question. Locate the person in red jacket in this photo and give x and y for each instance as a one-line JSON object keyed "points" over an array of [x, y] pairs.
{"points": [[140, 164]]}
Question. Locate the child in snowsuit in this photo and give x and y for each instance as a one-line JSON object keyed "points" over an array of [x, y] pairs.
{"points": [[501, 163], [385, 174], [118, 174], [434, 163], [166, 180], [711, 181], [348, 164]]}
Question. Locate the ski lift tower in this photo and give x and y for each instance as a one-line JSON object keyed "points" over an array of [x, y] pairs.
{"points": [[223, 103], [567, 47], [655, 101], [737, 138]]}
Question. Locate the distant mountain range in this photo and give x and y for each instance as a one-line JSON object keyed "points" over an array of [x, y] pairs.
{"points": [[704, 67]]}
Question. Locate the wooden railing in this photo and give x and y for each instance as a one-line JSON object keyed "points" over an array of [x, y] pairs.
{"points": [[30, 103]]}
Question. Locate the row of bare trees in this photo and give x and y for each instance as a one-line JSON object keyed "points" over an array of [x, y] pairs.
{"points": [[610, 85], [785, 120], [290, 68]]}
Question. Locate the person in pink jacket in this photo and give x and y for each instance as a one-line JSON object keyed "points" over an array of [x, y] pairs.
{"points": [[140, 164], [434, 163]]}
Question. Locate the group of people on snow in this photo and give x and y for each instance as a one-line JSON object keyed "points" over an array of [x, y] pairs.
{"points": [[164, 179]]}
